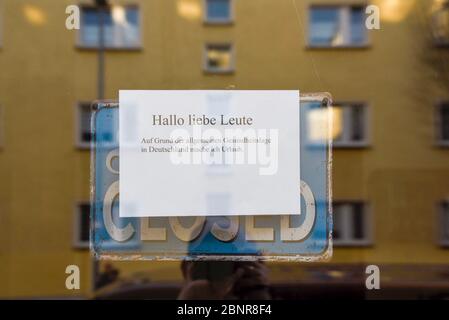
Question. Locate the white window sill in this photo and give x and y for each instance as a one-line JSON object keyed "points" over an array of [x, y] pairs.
{"points": [[80, 245], [343, 46], [83, 145], [350, 243], [350, 145], [219, 71], [218, 22], [109, 48]]}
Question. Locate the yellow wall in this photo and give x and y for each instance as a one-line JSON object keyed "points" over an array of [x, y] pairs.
{"points": [[42, 76]]}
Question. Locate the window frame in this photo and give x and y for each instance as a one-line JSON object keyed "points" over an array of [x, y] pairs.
{"points": [[441, 240], [340, 6], [368, 225], [82, 145], [77, 243], [366, 124], [207, 69], [82, 46], [438, 121], [209, 21]]}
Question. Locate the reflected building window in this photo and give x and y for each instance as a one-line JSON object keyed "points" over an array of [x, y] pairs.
{"points": [[83, 128], [443, 123], [351, 224], [121, 27], [218, 11], [219, 58], [443, 223], [352, 120], [337, 26], [81, 225]]}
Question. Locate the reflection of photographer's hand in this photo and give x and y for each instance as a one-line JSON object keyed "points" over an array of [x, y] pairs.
{"points": [[253, 283], [205, 289], [249, 281]]}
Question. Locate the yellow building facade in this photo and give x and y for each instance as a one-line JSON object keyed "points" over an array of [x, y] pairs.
{"points": [[400, 174]]}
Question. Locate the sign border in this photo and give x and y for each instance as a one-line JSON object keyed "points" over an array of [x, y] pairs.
{"points": [[325, 255]]}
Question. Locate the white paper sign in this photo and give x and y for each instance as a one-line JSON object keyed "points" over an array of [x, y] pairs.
{"points": [[194, 153]]}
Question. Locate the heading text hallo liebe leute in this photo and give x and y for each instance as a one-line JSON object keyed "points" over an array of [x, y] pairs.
{"points": [[192, 119]]}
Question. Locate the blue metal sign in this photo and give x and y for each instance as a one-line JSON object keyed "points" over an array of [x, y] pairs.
{"points": [[303, 237]]}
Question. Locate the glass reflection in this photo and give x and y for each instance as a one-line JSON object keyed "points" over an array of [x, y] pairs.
{"points": [[121, 27]]}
